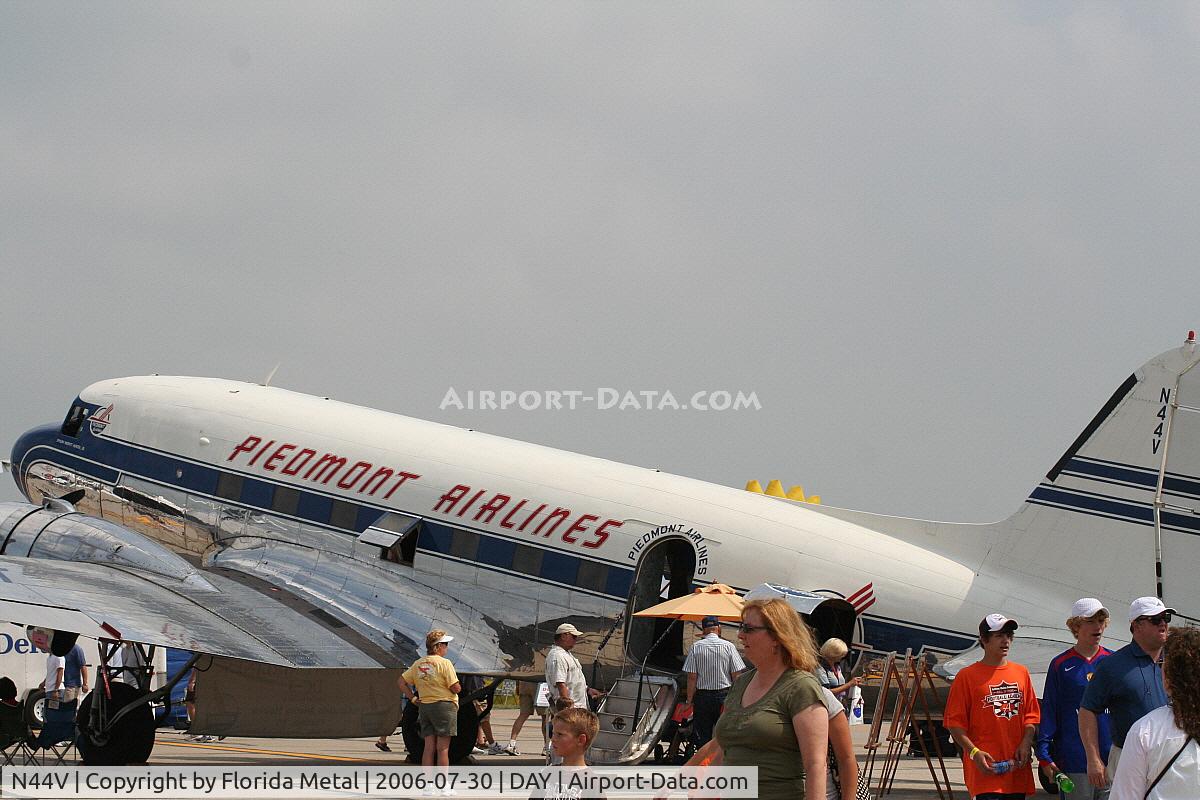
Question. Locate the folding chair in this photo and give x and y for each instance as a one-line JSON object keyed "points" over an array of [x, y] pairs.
{"points": [[57, 737], [14, 735]]}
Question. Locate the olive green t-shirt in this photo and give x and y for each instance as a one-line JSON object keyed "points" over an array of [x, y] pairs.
{"points": [[762, 735]]}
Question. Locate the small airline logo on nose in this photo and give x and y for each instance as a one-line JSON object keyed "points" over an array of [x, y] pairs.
{"points": [[99, 420]]}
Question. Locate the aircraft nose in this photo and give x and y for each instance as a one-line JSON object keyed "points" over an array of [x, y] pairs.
{"points": [[22, 447]]}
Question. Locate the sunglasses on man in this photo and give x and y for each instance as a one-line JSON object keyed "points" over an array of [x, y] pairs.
{"points": [[1158, 619]]}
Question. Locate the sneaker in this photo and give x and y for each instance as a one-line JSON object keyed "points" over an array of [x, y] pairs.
{"points": [[383, 746], [206, 739], [478, 751], [496, 749], [512, 750]]}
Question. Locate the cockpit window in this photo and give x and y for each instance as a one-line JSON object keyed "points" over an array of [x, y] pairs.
{"points": [[74, 420]]}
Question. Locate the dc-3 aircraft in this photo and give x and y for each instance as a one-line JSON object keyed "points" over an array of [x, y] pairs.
{"points": [[305, 546]]}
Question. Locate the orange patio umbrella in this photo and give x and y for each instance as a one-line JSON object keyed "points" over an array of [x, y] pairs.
{"points": [[715, 600]]}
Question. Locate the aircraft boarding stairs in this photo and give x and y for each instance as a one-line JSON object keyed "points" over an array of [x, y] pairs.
{"points": [[624, 738]]}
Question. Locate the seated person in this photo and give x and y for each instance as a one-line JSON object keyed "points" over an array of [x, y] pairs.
{"points": [[12, 715], [8, 692]]}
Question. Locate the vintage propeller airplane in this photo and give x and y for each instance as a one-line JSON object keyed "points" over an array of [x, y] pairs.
{"points": [[305, 546]]}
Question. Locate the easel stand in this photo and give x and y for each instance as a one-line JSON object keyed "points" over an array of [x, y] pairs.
{"points": [[914, 689]]}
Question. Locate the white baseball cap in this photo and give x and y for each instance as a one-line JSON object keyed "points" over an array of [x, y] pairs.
{"points": [[1086, 607], [445, 640], [567, 627], [1147, 607], [997, 622]]}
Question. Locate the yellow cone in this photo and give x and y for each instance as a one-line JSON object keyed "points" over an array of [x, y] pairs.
{"points": [[775, 489], [796, 493], [754, 486]]}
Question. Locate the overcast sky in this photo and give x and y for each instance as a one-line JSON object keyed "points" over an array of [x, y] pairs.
{"points": [[931, 238]]}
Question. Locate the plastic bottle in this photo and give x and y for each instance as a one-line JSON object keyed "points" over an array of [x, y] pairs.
{"points": [[1001, 767], [1065, 784]]}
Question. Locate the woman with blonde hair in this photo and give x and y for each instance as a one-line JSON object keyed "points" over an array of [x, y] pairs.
{"points": [[829, 671], [437, 697], [775, 717], [1161, 757]]}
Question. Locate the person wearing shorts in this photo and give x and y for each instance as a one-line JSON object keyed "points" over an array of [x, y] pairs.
{"points": [[437, 688], [526, 694]]}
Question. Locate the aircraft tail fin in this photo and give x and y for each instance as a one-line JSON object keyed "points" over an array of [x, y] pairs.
{"points": [[1120, 510]]}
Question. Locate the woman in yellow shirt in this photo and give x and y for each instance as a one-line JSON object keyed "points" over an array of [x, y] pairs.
{"points": [[437, 697]]}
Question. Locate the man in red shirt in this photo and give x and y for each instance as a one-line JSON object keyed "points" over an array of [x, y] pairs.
{"points": [[992, 713]]}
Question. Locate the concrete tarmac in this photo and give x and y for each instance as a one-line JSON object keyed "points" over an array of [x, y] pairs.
{"points": [[912, 780]]}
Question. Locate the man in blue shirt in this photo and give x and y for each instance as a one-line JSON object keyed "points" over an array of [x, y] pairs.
{"points": [[75, 674], [1128, 683], [1059, 748]]}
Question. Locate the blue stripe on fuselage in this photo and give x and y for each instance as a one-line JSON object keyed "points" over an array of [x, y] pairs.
{"points": [[556, 567]]}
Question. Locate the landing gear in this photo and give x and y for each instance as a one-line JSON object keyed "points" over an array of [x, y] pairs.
{"points": [[127, 739], [115, 722]]}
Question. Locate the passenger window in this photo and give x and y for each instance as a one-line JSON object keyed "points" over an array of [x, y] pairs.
{"points": [[464, 544], [74, 420], [229, 486], [286, 501], [592, 576], [527, 559], [343, 514]]}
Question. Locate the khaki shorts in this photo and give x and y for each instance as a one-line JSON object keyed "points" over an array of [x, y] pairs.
{"points": [[438, 719], [1110, 771], [527, 706]]}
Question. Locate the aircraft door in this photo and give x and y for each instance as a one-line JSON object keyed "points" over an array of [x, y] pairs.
{"points": [[666, 570], [835, 618]]}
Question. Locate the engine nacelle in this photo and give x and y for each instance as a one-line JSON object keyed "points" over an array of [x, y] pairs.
{"points": [[56, 531]]}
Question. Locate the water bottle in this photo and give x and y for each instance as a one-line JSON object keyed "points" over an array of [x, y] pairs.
{"points": [[1001, 767], [1065, 784]]}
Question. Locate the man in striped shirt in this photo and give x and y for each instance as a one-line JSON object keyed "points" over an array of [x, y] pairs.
{"points": [[711, 666]]}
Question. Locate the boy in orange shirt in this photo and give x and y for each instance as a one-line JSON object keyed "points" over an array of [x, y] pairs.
{"points": [[993, 714]]}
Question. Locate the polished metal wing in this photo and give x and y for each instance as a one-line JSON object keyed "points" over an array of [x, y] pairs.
{"points": [[206, 613]]}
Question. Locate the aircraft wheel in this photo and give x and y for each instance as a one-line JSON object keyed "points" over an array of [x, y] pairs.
{"points": [[410, 729], [460, 745], [35, 709], [128, 742], [468, 730]]}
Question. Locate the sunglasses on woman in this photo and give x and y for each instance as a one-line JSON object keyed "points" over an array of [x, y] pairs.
{"points": [[747, 628]]}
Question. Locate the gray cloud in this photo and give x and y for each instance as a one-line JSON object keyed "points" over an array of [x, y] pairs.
{"points": [[931, 237]]}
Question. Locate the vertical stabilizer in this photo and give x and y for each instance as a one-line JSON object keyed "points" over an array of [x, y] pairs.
{"points": [[1123, 502]]}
